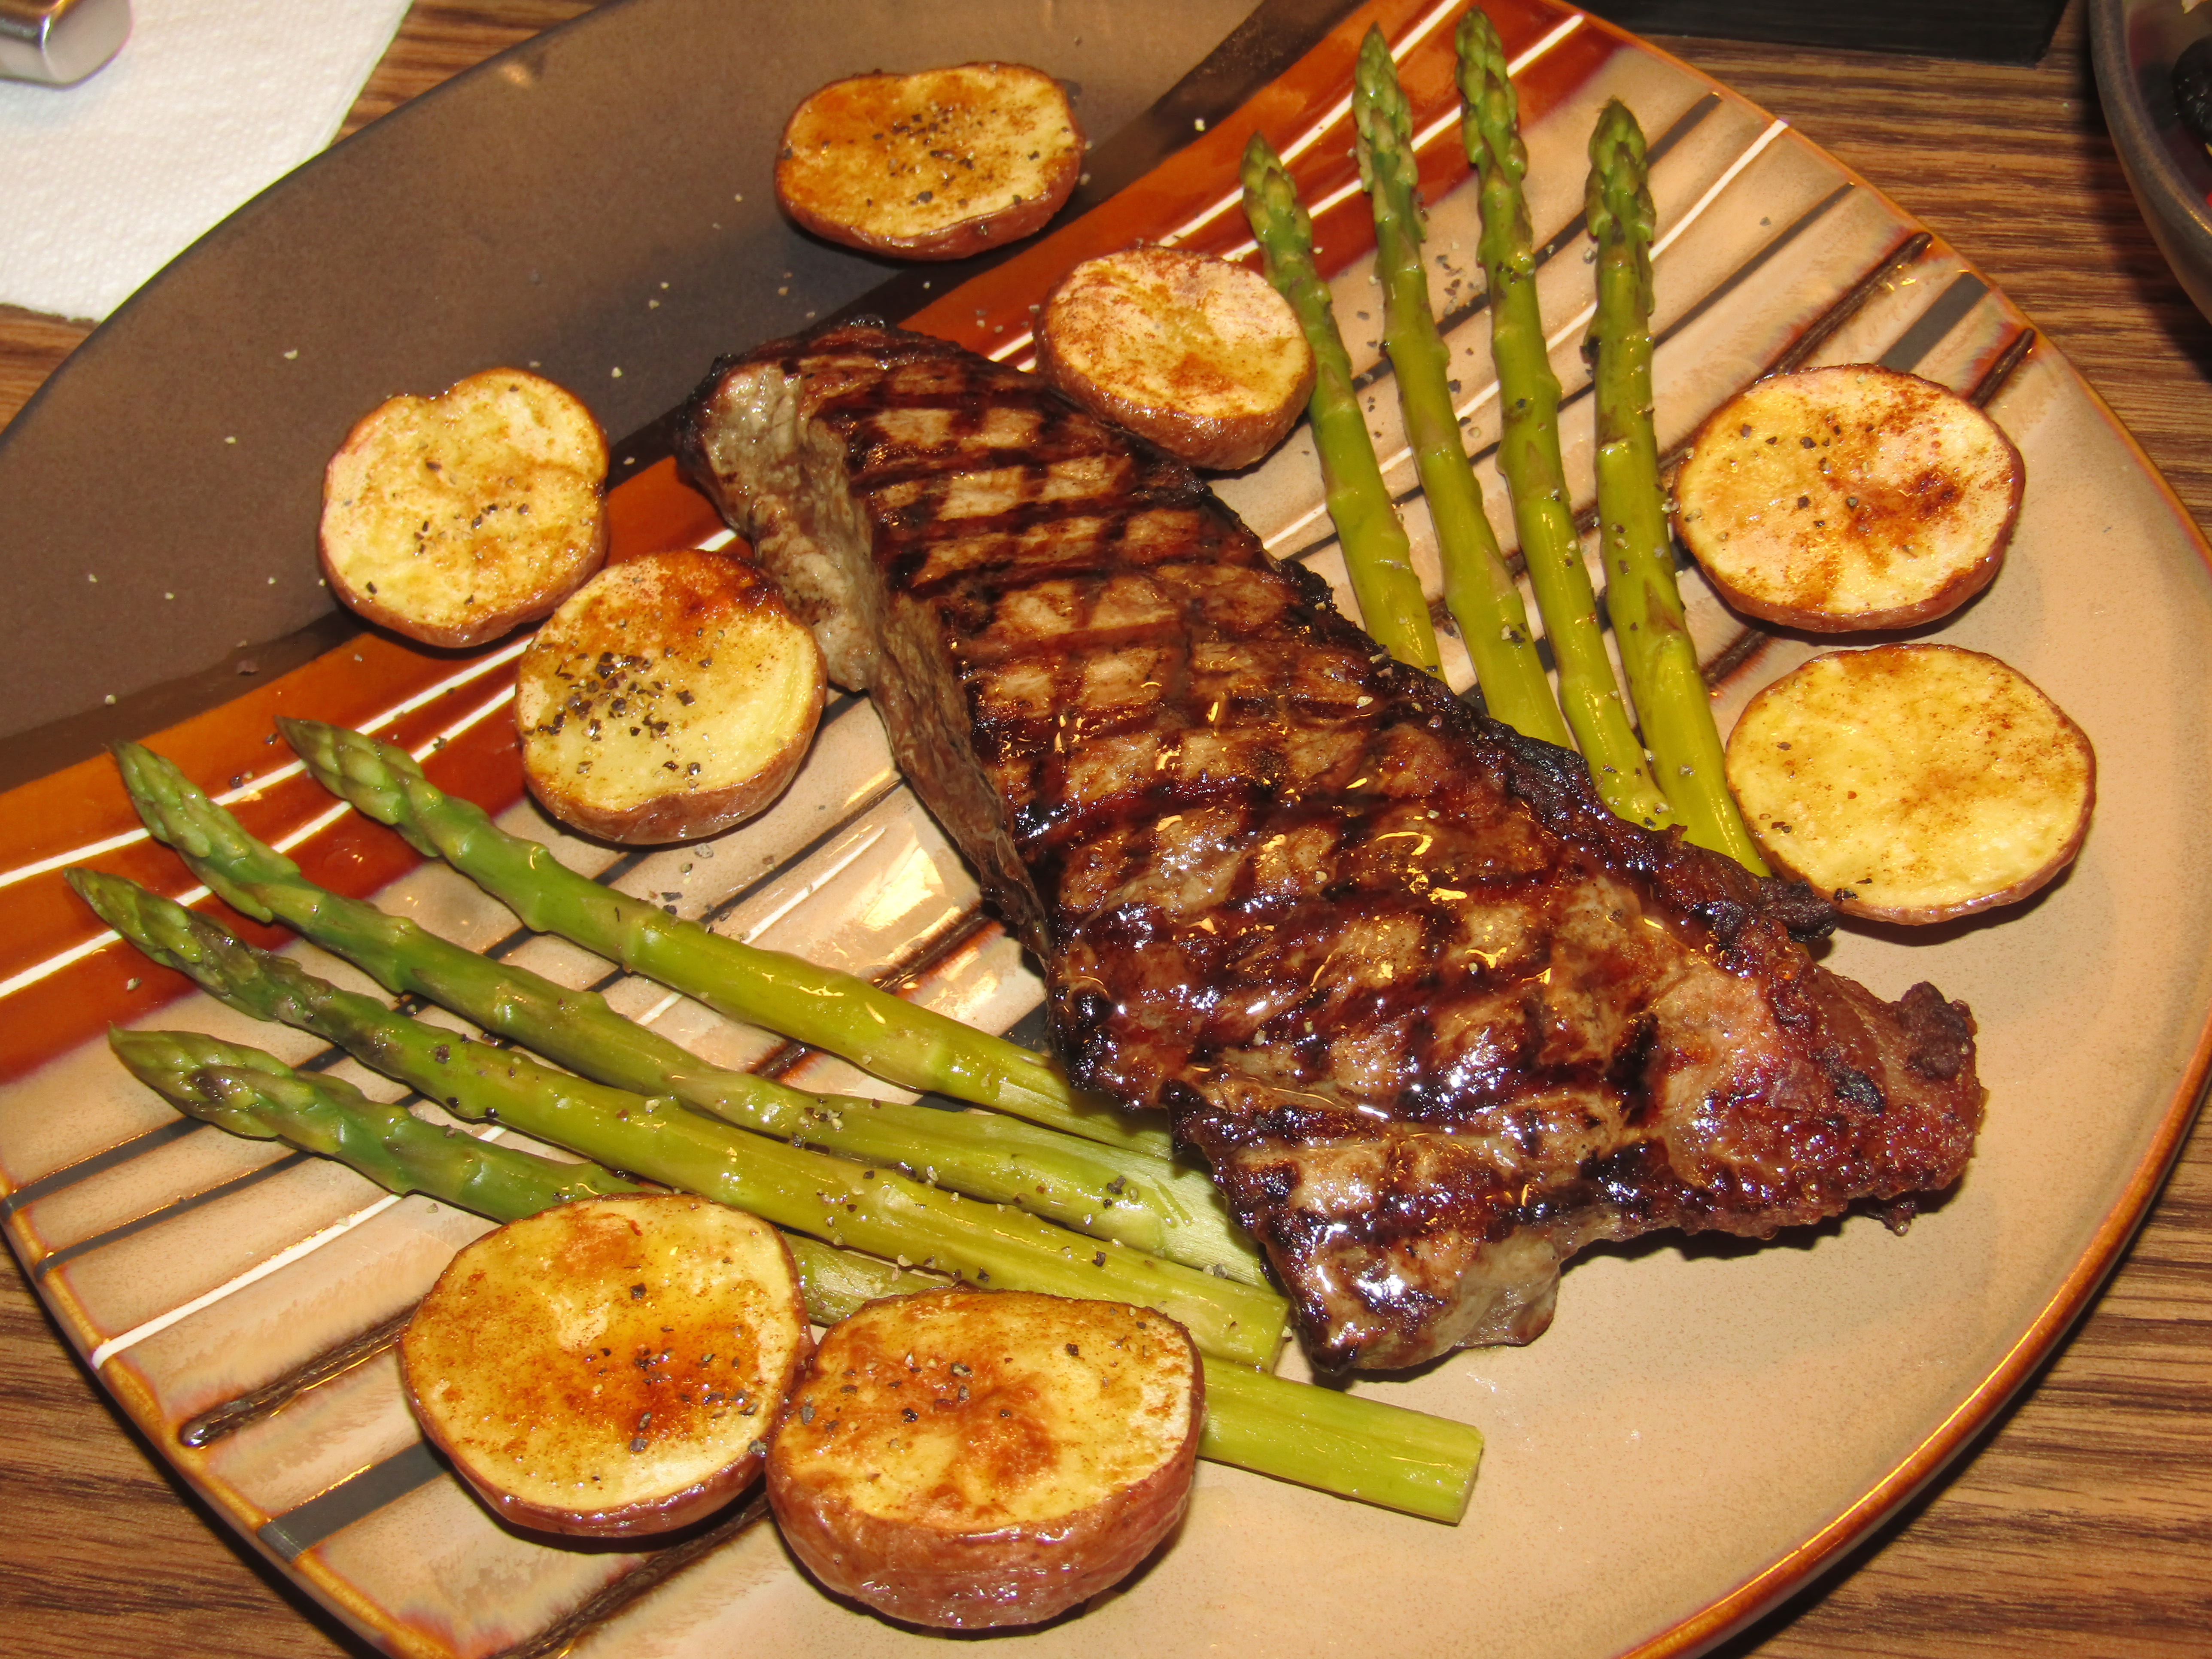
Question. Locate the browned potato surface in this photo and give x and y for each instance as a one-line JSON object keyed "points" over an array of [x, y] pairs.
{"points": [[1912, 782], [933, 166], [454, 519], [611, 1366], [969, 1459], [671, 696], [1848, 498], [1199, 356]]}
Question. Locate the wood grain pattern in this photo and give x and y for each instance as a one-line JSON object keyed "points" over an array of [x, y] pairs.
{"points": [[2083, 1524]]}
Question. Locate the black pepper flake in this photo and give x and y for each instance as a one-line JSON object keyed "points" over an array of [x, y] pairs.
{"points": [[1804, 501], [911, 1415], [636, 1292], [637, 1442], [1074, 1351]]}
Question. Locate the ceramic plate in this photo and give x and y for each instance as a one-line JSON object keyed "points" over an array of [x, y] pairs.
{"points": [[1703, 1428]]}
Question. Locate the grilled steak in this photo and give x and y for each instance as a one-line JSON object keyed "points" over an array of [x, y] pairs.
{"points": [[1435, 1016]]}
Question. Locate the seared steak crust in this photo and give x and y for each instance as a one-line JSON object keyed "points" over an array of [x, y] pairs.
{"points": [[1435, 1016]]}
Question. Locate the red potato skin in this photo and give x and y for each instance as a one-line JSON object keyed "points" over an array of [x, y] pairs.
{"points": [[494, 624], [960, 241], [673, 819], [985, 1581], [956, 241], [943, 1577], [1811, 619], [706, 590], [1936, 605], [541, 601], [1219, 445], [632, 1521], [629, 1393], [1778, 848], [1921, 917]]}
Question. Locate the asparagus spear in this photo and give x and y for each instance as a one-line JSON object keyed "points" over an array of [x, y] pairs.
{"points": [[1376, 555], [254, 1094], [1528, 448], [875, 1210], [878, 1032], [1655, 648], [1343, 1444], [1166, 1208], [1479, 589]]}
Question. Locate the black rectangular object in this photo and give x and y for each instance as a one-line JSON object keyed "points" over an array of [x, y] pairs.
{"points": [[1987, 31]]}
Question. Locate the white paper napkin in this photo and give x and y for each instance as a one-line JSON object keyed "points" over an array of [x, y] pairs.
{"points": [[208, 102]]}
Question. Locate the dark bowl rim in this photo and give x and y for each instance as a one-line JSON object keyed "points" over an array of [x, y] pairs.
{"points": [[2160, 183]]}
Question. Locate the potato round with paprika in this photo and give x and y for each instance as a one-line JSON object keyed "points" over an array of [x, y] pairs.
{"points": [[1841, 499], [971, 1459], [1912, 783], [610, 1367], [669, 697]]}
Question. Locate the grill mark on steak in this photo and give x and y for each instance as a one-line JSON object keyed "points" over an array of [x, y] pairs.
{"points": [[1435, 1016]]}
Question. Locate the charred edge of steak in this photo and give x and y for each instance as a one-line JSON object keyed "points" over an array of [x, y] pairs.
{"points": [[1941, 1034]]}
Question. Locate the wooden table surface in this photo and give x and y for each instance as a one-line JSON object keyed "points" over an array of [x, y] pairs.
{"points": [[2082, 1525]]}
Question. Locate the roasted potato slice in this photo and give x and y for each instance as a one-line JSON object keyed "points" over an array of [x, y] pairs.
{"points": [[672, 696], [935, 166], [1196, 354], [1835, 500], [455, 519], [612, 1366], [1912, 782], [969, 1459]]}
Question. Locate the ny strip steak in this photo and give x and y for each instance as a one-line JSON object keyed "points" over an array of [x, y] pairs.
{"points": [[1436, 1018]]}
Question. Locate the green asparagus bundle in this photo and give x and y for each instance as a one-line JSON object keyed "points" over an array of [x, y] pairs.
{"points": [[874, 1210], [254, 1094], [1376, 555], [1342, 1443], [888, 1037], [1672, 700], [1528, 447], [1479, 588], [1165, 1208]]}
